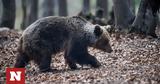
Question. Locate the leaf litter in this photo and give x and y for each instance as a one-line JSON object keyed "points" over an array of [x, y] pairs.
{"points": [[135, 59]]}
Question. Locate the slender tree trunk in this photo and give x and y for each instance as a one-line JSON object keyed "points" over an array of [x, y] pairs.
{"points": [[0, 10], [158, 29], [32, 12], [111, 20], [9, 14], [103, 4], [145, 22], [86, 6], [123, 15], [62, 7], [24, 10], [48, 8]]}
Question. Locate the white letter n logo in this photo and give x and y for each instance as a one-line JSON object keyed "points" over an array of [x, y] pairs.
{"points": [[15, 75]]}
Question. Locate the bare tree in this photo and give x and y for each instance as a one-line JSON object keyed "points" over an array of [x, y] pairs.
{"points": [[132, 5], [32, 11], [103, 4], [0, 10], [86, 6], [9, 14], [48, 8], [155, 5], [145, 21], [24, 10], [123, 15], [111, 20], [62, 7]]}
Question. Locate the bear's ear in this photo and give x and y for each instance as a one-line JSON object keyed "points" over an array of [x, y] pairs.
{"points": [[98, 31]]}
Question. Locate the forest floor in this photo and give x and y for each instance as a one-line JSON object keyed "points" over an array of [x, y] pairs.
{"points": [[135, 59]]}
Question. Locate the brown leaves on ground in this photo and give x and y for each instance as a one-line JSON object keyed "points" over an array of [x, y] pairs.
{"points": [[134, 60]]}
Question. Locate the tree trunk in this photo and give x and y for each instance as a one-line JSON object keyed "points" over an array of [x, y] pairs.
{"points": [[9, 14], [111, 20], [145, 22], [24, 10], [155, 5], [62, 7], [86, 7], [48, 8], [132, 5], [103, 4], [123, 15], [0, 10], [32, 11]]}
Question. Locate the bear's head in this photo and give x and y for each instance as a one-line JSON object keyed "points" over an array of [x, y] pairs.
{"points": [[103, 41], [97, 36]]}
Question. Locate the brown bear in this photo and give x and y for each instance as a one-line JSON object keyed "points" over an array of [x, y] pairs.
{"points": [[51, 35]]}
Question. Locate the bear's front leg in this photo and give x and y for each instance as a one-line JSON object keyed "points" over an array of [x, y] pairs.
{"points": [[86, 59], [71, 64], [78, 53], [69, 60], [44, 64], [92, 61]]}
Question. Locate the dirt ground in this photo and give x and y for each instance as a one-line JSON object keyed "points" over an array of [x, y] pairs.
{"points": [[135, 59]]}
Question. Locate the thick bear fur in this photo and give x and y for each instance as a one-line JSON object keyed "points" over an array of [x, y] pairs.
{"points": [[51, 35]]}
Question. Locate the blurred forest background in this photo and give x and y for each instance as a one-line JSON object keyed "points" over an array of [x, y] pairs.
{"points": [[73, 8], [140, 16]]}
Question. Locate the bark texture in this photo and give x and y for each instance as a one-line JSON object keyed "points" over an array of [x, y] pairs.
{"points": [[24, 10], [123, 15], [103, 4], [9, 14], [47, 8], [86, 6], [132, 5], [62, 7], [32, 11], [145, 21]]}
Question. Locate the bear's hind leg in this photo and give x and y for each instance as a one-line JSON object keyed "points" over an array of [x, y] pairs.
{"points": [[21, 60]]}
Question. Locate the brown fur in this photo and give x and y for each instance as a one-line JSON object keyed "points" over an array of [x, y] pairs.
{"points": [[51, 35]]}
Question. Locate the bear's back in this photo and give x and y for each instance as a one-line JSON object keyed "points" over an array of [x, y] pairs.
{"points": [[57, 30], [46, 24], [46, 33]]}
